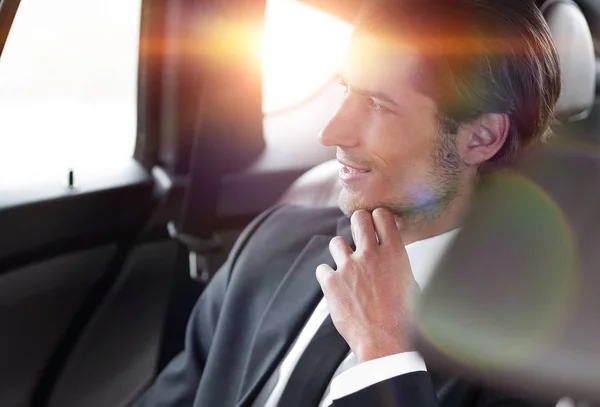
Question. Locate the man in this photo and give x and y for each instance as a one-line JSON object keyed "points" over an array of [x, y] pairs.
{"points": [[439, 93]]}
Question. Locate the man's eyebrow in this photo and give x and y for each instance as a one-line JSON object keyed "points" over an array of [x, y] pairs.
{"points": [[374, 94]]}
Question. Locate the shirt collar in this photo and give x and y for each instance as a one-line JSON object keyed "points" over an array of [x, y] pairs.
{"points": [[424, 255]]}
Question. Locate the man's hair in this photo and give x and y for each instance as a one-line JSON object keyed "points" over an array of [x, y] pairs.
{"points": [[478, 56]]}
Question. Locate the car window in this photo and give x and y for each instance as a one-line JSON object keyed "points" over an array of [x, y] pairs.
{"points": [[68, 88], [303, 48], [68, 81]]}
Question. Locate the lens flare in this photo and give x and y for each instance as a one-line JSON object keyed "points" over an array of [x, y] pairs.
{"points": [[528, 254]]}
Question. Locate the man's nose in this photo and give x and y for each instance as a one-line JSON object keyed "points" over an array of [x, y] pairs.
{"points": [[343, 130]]}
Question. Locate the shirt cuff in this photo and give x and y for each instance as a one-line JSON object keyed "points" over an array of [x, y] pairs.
{"points": [[374, 371]]}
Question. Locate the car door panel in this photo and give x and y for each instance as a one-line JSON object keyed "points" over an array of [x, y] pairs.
{"points": [[37, 304], [43, 221], [61, 252]]}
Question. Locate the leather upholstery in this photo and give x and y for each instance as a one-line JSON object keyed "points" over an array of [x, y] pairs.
{"points": [[320, 186], [575, 47]]}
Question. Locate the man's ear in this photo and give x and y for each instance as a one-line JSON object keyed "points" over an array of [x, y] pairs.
{"points": [[480, 140]]}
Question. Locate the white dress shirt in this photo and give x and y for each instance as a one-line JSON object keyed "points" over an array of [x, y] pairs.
{"points": [[351, 376]]}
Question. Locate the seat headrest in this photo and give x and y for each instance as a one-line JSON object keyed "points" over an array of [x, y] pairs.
{"points": [[573, 40]]}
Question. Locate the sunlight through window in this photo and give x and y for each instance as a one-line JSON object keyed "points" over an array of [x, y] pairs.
{"points": [[68, 89], [303, 49], [68, 80]]}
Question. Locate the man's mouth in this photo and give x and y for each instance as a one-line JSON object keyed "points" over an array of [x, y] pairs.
{"points": [[350, 173]]}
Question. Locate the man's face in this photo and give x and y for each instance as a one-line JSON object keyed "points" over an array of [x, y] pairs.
{"points": [[389, 138]]}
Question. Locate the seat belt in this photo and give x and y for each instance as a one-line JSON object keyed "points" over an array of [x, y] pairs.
{"points": [[220, 147], [195, 230]]}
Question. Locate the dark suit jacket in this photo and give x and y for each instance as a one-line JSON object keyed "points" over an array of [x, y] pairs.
{"points": [[254, 308]]}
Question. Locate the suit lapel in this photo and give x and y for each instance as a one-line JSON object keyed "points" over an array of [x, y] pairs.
{"points": [[289, 310]]}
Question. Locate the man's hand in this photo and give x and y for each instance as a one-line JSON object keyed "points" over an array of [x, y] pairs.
{"points": [[369, 295]]}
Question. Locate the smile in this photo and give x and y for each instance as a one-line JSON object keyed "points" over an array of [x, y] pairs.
{"points": [[351, 174]]}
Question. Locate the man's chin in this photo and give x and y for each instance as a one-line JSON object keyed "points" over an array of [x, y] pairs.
{"points": [[349, 204]]}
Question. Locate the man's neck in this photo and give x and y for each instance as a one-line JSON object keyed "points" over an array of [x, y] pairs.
{"points": [[413, 230]]}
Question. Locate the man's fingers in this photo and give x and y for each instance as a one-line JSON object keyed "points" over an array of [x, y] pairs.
{"points": [[363, 230], [324, 272], [386, 228], [340, 250]]}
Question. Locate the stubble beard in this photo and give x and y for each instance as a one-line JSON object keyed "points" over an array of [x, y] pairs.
{"points": [[443, 187]]}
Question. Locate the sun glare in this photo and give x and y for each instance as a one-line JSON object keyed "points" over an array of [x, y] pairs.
{"points": [[303, 48]]}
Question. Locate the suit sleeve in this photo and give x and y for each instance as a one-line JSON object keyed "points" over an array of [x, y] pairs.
{"points": [[176, 385], [416, 389]]}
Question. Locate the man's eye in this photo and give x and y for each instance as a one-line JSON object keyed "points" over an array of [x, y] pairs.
{"points": [[376, 106], [343, 84]]}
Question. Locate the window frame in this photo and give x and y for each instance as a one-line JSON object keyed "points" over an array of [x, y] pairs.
{"points": [[8, 11]]}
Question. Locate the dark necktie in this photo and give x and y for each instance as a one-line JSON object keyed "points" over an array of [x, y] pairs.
{"points": [[316, 367]]}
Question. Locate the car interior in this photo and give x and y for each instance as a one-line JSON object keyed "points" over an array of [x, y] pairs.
{"points": [[98, 274]]}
